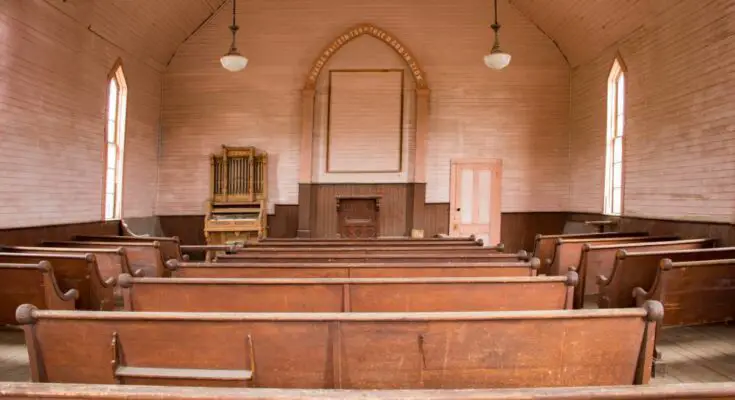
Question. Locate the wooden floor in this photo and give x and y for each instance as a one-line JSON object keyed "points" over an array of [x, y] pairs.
{"points": [[690, 354]]}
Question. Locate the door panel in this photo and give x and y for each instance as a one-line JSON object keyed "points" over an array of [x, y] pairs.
{"points": [[475, 199]]}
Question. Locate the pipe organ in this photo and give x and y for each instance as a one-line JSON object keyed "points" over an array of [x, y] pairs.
{"points": [[237, 208]]}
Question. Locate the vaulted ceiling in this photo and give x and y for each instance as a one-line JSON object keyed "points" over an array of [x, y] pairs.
{"points": [[583, 28], [151, 28], [155, 28]]}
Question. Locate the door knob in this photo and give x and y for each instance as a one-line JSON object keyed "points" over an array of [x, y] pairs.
{"points": [[458, 209]]}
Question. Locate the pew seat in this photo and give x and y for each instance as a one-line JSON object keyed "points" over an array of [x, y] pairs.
{"points": [[598, 260], [432, 350], [80, 272], [347, 295], [633, 269], [352, 270], [34, 284]]}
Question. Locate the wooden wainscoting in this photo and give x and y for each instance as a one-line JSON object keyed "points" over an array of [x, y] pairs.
{"points": [[723, 232], [32, 236]]}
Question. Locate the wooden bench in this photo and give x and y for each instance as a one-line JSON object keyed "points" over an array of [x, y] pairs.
{"points": [[347, 294], [382, 242], [55, 391], [693, 292], [338, 256], [568, 251], [145, 256], [74, 271], [544, 245], [112, 262], [33, 284], [352, 270], [343, 350], [638, 269], [598, 260], [368, 250], [170, 246]]}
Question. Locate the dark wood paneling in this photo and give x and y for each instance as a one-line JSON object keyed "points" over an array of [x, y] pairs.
{"points": [[285, 222], [518, 230], [723, 232], [436, 219], [189, 228], [34, 235], [144, 226], [392, 215]]}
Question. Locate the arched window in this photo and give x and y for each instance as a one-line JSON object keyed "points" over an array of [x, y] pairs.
{"points": [[615, 127], [117, 92]]}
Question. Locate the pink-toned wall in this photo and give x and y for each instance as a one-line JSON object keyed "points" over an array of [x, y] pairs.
{"points": [[53, 82], [519, 114], [679, 150]]}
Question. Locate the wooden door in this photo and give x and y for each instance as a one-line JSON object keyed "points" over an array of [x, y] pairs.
{"points": [[475, 199], [358, 218]]}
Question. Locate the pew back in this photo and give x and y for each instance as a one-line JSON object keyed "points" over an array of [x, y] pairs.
{"points": [[74, 271], [34, 284], [170, 246], [352, 270], [693, 292], [112, 262], [343, 350], [568, 251], [141, 255], [598, 260], [385, 257], [347, 295], [544, 245], [638, 269]]}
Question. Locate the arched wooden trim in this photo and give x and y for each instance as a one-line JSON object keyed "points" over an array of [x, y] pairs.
{"points": [[352, 34]]}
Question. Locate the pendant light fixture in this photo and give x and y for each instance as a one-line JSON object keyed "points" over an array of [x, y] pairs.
{"points": [[497, 59], [233, 61]]}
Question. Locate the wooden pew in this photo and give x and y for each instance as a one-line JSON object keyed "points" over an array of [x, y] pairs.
{"points": [[693, 292], [568, 251], [112, 262], [638, 269], [340, 256], [352, 270], [343, 350], [74, 271], [56, 391], [170, 246], [368, 250], [33, 284], [348, 294], [141, 255], [598, 260], [544, 245], [470, 241]]}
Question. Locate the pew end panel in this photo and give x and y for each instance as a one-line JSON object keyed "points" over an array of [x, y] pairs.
{"points": [[34, 284]]}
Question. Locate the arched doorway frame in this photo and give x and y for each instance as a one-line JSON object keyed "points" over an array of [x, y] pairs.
{"points": [[307, 200]]}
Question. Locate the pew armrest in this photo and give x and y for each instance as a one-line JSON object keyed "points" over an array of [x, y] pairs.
{"points": [[602, 280], [184, 373], [640, 295], [71, 294]]}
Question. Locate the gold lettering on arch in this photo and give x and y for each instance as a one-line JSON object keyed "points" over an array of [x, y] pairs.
{"points": [[377, 33]]}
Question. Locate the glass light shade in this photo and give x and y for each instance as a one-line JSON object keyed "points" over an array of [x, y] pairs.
{"points": [[234, 62], [497, 60]]}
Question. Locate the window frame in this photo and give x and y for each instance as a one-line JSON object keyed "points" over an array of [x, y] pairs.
{"points": [[616, 118], [116, 75]]}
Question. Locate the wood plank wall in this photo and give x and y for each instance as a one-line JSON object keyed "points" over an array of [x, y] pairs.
{"points": [[679, 149], [519, 114], [53, 101]]}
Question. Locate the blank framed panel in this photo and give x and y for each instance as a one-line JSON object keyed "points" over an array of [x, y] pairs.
{"points": [[365, 128]]}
